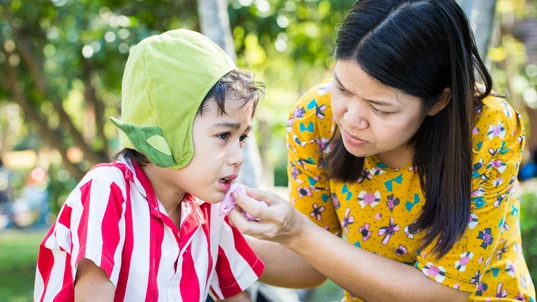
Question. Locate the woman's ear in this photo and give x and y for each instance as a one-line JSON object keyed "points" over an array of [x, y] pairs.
{"points": [[444, 100]]}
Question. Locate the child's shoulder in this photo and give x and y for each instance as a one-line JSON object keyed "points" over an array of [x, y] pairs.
{"points": [[117, 172], [102, 179]]}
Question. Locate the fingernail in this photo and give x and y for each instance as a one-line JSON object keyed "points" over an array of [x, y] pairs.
{"points": [[234, 195]]}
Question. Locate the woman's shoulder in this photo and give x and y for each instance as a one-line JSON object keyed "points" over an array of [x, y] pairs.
{"points": [[313, 113], [498, 132], [495, 117], [317, 97], [495, 109]]}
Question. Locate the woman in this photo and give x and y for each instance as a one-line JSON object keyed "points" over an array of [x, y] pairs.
{"points": [[409, 159]]}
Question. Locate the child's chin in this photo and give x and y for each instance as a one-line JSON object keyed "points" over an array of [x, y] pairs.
{"points": [[213, 198]]}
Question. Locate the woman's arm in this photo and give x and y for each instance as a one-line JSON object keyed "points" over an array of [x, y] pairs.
{"points": [[92, 283], [283, 267], [364, 274]]}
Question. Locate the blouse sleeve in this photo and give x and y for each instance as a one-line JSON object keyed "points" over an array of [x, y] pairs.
{"points": [[498, 143], [308, 183]]}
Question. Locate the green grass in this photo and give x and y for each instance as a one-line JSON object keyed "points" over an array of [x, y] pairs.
{"points": [[18, 254]]}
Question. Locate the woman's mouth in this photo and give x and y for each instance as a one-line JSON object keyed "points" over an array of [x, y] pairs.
{"points": [[353, 140]]}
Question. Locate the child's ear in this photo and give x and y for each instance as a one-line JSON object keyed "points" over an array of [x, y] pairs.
{"points": [[444, 100]]}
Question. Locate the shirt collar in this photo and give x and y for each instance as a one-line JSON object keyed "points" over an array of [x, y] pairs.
{"points": [[193, 211]]}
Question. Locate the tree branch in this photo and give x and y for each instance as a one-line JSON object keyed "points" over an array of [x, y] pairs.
{"points": [[40, 123], [38, 76], [3, 83], [34, 65], [76, 135], [98, 105]]}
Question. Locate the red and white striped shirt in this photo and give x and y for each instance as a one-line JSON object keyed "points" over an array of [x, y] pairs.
{"points": [[114, 219]]}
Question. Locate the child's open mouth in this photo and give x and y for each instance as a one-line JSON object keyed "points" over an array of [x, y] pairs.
{"points": [[225, 182]]}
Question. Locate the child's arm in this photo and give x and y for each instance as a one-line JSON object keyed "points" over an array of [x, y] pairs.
{"points": [[241, 297], [92, 284]]}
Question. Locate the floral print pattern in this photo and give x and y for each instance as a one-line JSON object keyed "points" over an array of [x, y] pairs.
{"points": [[378, 212]]}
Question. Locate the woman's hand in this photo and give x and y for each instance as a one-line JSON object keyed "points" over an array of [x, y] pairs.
{"points": [[278, 222]]}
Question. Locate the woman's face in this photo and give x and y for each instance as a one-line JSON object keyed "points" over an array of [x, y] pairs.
{"points": [[374, 119]]}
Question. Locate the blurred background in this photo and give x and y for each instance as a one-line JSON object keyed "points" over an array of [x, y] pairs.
{"points": [[61, 64]]}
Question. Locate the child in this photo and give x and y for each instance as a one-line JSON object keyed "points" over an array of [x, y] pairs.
{"points": [[146, 227]]}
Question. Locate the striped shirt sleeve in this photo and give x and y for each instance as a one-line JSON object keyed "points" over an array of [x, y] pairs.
{"points": [[237, 265], [91, 226], [98, 224]]}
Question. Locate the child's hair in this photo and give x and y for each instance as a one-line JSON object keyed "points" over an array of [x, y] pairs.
{"points": [[236, 84]]}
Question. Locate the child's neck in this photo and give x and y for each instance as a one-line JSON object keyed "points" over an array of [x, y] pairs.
{"points": [[167, 193]]}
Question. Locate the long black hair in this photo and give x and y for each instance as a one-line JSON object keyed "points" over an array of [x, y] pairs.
{"points": [[422, 47]]}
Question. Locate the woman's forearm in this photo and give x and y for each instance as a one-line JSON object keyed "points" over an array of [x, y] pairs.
{"points": [[283, 267], [364, 274]]}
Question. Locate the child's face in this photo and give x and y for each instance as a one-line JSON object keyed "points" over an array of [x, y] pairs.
{"points": [[218, 142]]}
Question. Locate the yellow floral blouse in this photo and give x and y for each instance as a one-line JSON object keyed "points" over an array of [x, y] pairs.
{"points": [[377, 212]]}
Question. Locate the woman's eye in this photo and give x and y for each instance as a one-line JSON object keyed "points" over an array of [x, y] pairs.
{"points": [[345, 92], [223, 136], [378, 111]]}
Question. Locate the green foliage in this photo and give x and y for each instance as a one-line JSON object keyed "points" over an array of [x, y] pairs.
{"points": [[280, 175], [510, 68], [72, 53], [528, 227], [60, 185]]}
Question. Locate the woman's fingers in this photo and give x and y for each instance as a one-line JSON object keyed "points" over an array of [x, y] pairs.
{"points": [[253, 207], [248, 227], [268, 197], [277, 218]]}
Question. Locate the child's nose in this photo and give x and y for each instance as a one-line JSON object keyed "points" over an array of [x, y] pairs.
{"points": [[236, 157]]}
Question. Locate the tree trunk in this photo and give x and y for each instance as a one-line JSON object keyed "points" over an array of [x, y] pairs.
{"points": [[214, 23], [481, 14], [483, 24], [467, 6]]}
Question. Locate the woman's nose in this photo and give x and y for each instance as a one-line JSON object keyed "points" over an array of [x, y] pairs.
{"points": [[356, 115]]}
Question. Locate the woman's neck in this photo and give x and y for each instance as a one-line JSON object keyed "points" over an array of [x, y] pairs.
{"points": [[398, 158]]}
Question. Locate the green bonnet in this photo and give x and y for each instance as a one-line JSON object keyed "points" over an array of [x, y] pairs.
{"points": [[166, 78]]}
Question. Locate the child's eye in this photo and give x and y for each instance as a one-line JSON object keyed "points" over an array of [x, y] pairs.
{"points": [[243, 138], [224, 136]]}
